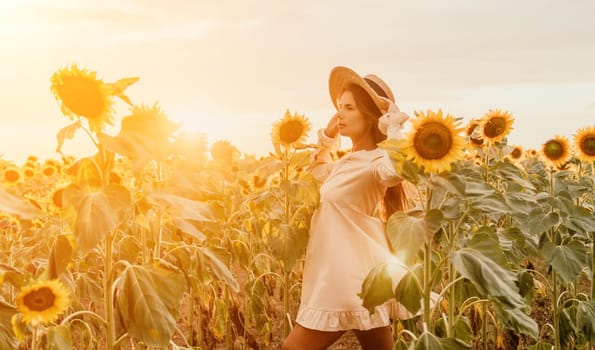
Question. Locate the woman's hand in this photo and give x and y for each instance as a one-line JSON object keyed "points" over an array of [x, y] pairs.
{"points": [[332, 128]]}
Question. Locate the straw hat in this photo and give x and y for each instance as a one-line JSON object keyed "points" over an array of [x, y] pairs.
{"points": [[341, 76]]}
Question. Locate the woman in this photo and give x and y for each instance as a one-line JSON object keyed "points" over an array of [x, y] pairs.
{"points": [[347, 235]]}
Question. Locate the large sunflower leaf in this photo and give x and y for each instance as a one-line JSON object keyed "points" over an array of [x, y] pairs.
{"points": [[454, 344], [147, 299], [15, 205], [487, 276], [59, 338], [180, 207], [407, 234], [428, 341], [538, 222], [585, 319], [67, 133], [61, 255], [95, 218], [567, 260], [7, 338], [407, 292], [220, 269], [377, 287], [517, 320]]}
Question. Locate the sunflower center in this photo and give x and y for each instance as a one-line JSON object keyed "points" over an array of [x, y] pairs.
{"points": [[495, 127], [40, 299], [11, 176], [83, 96], [432, 141], [588, 145], [516, 153], [553, 150], [291, 131]]}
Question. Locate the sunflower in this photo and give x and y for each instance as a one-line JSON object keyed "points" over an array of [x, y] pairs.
{"points": [[28, 172], [83, 95], [290, 130], [223, 151], [42, 301], [584, 142], [434, 141], [516, 154], [49, 170], [473, 132], [495, 125], [556, 151], [11, 175]]}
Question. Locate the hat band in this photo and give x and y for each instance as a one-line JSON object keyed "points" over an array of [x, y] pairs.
{"points": [[376, 87]]}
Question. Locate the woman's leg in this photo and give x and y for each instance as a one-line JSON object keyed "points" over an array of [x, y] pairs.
{"points": [[376, 338], [302, 338]]}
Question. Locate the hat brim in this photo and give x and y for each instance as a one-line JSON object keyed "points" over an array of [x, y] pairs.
{"points": [[341, 77]]}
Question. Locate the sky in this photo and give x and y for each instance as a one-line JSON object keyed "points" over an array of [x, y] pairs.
{"points": [[230, 69]]}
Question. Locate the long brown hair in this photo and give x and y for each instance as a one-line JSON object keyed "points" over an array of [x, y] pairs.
{"points": [[395, 197]]}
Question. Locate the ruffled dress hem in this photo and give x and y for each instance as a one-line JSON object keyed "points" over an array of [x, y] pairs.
{"points": [[339, 320]]}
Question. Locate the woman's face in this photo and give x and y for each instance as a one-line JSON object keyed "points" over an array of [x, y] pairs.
{"points": [[352, 122]]}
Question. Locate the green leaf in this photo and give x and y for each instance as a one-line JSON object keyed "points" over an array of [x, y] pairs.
{"points": [[95, 218], [585, 319], [187, 227], [541, 345], [407, 234], [428, 341], [492, 205], [581, 220], [59, 338], [486, 242], [220, 269], [567, 260], [475, 188], [15, 205], [147, 299], [7, 338], [454, 344], [450, 182], [489, 278], [517, 320], [67, 133], [407, 292], [376, 288], [61, 255], [538, 222], [180, 207], [13, 276]]}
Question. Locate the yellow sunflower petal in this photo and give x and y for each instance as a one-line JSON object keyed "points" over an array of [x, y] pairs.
{"points": [[42, 301], [556, 151], [434, 141], [496, 125], [584, 142], [292, 129]]}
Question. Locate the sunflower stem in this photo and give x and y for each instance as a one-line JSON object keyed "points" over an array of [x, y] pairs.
{"points": [[34, 343], [286, 275], [107, 290]]}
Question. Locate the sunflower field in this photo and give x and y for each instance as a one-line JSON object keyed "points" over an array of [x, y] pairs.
{"points": [[158, 241]]}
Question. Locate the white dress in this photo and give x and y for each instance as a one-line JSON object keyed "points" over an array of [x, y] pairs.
{"points": [[346, 241]]}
